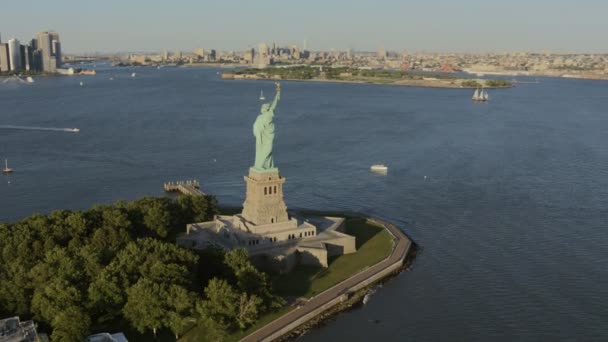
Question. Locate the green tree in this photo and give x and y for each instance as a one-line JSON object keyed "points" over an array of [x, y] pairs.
{"points": [[181, 304], [145, 307], [221, 305], [70, 324], [250, 280], [249, 307]]}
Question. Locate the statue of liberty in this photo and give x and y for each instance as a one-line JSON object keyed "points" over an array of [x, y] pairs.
{"points": [[263, 130]]}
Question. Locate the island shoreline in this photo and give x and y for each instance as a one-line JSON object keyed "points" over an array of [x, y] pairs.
{"points": [[364, 82], [344, 295]]}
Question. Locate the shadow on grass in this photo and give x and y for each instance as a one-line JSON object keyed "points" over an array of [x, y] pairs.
{"points": [[363, 230], [297, 282]]}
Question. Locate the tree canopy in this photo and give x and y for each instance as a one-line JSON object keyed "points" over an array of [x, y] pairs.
{"points": [[73, 271]]}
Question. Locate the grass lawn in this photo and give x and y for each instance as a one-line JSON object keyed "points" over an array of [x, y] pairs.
{"points": [[197, 333], [374, 243]]}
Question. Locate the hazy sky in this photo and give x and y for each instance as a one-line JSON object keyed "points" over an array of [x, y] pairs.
{"points": [[420, 25]]}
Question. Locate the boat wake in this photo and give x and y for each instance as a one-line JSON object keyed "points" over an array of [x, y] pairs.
{"points": [[34, 128]]}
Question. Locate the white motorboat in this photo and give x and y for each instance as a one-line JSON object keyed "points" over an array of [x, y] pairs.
{"points": [[379, 168]]}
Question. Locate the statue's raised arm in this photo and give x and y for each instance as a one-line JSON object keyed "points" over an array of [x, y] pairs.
{"points": [[277, 96]]}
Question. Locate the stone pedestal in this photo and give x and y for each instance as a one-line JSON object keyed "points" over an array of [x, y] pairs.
{"points": [[264, 202]]}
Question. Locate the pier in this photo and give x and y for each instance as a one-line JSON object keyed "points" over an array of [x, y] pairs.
{"points": [[189, 187]]}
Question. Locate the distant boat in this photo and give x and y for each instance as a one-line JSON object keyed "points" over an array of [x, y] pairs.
{"points": [[133, 74], [75, 130], [81, 83], [262, 98], [6, 169], [29, 79], [379, 168], [480, 95]]}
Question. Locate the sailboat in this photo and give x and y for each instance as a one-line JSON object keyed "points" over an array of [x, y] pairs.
{"points": [[480, 95], [262, 98], [476, 95], [6, 169]]}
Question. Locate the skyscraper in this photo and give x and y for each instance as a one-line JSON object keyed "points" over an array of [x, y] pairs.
{"points": [[14, 52], [382, 54], [4, 58], [26, 57], [50, 46], [200, 52]]}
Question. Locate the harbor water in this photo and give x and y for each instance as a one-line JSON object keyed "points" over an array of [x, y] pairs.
{"points": [[508, 200]]}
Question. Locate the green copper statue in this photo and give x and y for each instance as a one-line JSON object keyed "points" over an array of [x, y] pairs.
{"points": [[263, 130]]}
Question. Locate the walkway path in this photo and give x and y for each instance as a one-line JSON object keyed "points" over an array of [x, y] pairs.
{"points": [[400, 249]]}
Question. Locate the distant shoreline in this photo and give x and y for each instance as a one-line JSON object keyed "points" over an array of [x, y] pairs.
{"points": [[401, 83], [212, 65]]}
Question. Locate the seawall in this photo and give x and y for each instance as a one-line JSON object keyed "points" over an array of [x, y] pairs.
{"points": [[341, 292]]}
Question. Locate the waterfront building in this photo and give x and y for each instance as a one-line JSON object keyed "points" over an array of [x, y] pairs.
{"points": [[200, 52], [14, 51], [26, 57], [4, 58], [36, 61], [49, 45], [212, 55]]}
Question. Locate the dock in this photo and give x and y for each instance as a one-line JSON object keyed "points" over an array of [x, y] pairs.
{"points": [[189, 187]]}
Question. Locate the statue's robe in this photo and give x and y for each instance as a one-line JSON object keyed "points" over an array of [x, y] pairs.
{"points": [[263, 130]]}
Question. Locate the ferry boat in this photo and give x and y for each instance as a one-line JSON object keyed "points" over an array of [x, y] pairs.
{"points": [[379, 168], [6, 169], [480, 96]]}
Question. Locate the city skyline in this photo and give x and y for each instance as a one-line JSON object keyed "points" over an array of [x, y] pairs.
{"points": [[471, 26]]}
